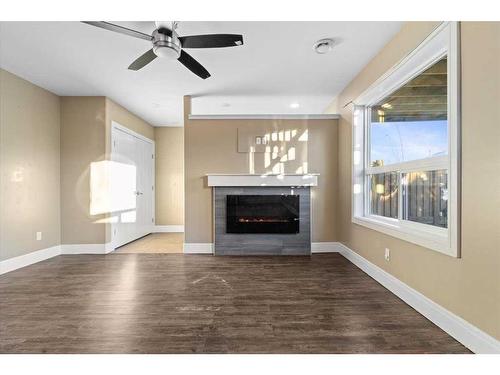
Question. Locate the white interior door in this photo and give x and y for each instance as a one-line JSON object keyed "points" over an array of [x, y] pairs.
{"points": [[145, 220], [133, 186]]}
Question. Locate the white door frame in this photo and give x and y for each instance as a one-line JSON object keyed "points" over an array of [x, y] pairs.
{"points": [[116, 125]]}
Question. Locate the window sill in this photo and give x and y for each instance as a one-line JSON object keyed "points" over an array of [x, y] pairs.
{"points": [[430, 239]]}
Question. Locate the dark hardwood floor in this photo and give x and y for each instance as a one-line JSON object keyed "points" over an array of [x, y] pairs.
{"points": [[169, 303]]}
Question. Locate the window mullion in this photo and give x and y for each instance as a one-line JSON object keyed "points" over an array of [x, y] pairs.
{"points": [[428, 164], [400, 196], [366, 160]]}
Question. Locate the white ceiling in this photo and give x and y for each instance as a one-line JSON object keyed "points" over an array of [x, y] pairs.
{"points": [[275, 68]]}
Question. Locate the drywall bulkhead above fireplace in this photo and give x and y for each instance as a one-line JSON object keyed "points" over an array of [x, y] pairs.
{"points": [[266, 214]]}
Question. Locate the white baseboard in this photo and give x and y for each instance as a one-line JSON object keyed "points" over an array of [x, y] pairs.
{"points": [[29, 259], [325, 247], [198, 248], [464, 332], [109, 247], [72, 249], [168, 228]]}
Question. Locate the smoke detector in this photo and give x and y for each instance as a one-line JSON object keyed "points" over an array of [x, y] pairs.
{"points": [[323, 46]]}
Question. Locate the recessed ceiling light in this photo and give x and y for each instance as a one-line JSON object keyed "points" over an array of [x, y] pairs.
{"points": [[294, 105], [323, 46]]}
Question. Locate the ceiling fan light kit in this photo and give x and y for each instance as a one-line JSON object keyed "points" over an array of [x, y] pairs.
{"points": [[166, 43]]}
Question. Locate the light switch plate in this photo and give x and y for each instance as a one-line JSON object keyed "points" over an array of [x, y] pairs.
{"points": [[38, 236]]}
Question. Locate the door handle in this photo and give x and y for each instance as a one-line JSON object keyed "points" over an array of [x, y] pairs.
{"points": [[138, 193]]}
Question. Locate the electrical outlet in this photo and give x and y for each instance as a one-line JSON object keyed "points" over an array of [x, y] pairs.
{"points": [[38, 236], [387, 254]]}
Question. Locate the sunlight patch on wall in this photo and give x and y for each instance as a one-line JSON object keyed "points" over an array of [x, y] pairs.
{"points": [[251, 161], [304, 137], [112, 187], [277, 150], [276, 168], [305, 167], [267, 159], [107, 220]]}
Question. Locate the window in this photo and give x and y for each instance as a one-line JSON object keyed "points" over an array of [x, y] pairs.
{"points": [[411, 123], [405, 147]]}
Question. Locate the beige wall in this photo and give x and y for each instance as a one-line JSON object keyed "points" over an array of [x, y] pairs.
{"points": [[83, 131], [86, 139], [210, 146], [29, 167], [323, 159], [121, 115], [470, 286], [47, 147], [169, 175]]}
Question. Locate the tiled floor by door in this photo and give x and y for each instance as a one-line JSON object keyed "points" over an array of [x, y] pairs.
{"points": [[168, 243]]}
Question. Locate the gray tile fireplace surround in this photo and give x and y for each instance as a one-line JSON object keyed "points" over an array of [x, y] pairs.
{"points": [[262, 244]]}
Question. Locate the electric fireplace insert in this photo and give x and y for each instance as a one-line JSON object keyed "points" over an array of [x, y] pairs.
{"points": [[262, 214]]}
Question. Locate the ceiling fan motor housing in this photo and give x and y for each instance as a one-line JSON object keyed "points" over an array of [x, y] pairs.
{"points": [[166, 43]]}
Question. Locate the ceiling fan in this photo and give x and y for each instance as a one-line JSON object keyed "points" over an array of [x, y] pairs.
{"points": [[166, 43]]}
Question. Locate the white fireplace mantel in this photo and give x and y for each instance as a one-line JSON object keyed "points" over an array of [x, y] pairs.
{"points": [[308, 179]]}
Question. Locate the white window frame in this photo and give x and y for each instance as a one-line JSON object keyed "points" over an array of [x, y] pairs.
{"points": [[443, 41]]}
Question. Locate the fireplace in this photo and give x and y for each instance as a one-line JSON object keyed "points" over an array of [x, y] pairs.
{"points": [[262, 220], [263, 214]]}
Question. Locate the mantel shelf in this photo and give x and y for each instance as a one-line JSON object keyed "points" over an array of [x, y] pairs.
{"points": [[308, 179]]}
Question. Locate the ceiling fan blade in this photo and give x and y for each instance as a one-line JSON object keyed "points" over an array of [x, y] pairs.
{"points": [[211, 41], [143, 60], [193, 65], [119, 29]]}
